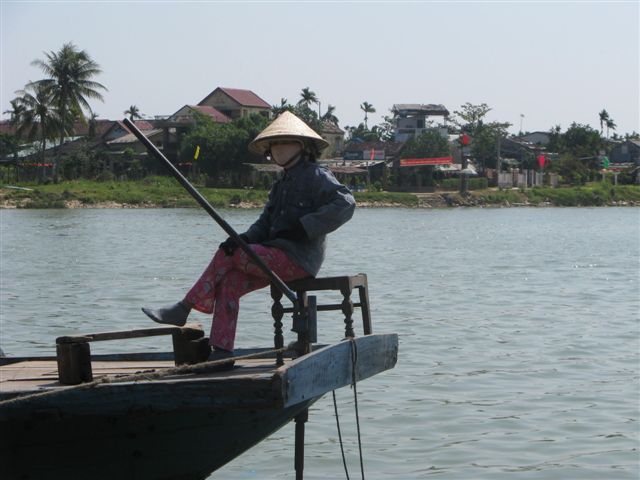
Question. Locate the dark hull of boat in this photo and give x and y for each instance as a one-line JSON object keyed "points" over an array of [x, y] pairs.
{"points": [[174, 427], [186, 445]]}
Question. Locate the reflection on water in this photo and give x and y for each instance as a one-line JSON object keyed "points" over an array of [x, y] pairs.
{"points": [[518, 328]]}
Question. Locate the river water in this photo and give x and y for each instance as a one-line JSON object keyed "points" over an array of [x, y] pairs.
{"points": [[519, 330]]}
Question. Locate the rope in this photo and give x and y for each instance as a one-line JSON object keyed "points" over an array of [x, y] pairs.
{"points": [[354, 362], [344, 460], [204, 367]]}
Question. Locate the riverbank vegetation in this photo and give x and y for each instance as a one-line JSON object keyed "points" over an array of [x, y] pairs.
{"points": [[165, 192]]}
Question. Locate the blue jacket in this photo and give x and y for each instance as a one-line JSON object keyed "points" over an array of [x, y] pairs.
{"points": [[310, 194]]}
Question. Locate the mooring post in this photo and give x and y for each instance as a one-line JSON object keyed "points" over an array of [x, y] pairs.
{"points": [[300, 419]]}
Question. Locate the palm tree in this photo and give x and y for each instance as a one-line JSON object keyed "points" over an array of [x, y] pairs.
{"points": [[307, 97], [610, 124], [604, 116], [133, 112], [70, 73], [93, 123], [367, 108], [329, 115], [39, 116], [284, 106], [15, 114]]}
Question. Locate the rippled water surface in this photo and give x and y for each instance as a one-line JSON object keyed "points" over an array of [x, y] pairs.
{"points": [[519, 330]]}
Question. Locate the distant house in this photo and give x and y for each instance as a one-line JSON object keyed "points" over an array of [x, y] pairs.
{"points": [[187, 114], [333, 134], [175, 126], [131, 141], [118, 129], [236, 103], [626, 152], [412, 119], [536, 138]]}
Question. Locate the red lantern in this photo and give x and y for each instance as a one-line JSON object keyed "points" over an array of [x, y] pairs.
{"points": [[541, 160], [464, 139]]}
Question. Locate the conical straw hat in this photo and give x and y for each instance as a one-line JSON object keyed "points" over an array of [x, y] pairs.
{"points": [[287, 125]]}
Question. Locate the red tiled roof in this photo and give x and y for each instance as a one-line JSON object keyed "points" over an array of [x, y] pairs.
{"points": [[246, 98], [217, 116]]}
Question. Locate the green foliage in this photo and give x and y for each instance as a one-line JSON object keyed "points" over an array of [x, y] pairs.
{"points": [[387, 198], [571, 170], [470, 117], [481, 183], [580, 141], [223, 147], [429, 144], [9, 145], [362, 133]]}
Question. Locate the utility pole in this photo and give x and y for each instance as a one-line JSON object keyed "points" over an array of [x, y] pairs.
{"points": [[464, 179]]}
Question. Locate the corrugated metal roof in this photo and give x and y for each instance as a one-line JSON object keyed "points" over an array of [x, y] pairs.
{"points": [[131, 138], [415, 108]]}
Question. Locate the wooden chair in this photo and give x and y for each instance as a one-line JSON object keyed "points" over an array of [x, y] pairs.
{"points": [[344, 285]]}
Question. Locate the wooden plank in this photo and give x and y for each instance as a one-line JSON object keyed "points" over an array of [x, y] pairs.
{"points": [[126, 334], [331, 367]]}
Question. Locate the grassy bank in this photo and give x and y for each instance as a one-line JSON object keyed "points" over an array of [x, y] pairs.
{"points": [[165, 192]]}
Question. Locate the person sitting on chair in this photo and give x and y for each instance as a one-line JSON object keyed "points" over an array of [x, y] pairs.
{"points": [[304, 205]]}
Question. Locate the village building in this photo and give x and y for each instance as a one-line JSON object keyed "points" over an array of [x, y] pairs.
{"points": [[535, 138], [413, 119], [177, 125], [236, 103], [625, 157], [118, 129], [333, 134]]}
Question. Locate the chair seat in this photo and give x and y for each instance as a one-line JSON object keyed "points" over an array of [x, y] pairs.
{"points": [[345, 285]]}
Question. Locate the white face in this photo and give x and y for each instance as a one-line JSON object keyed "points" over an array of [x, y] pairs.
{"points": [[283, 152]]}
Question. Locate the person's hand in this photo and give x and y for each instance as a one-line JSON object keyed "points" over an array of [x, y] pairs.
{"points": [[296, 233], [229, 246]]}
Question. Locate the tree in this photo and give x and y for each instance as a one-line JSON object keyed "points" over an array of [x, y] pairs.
{"points": [[223, 147], [367, 108], [604, 116], [8, 145], [387, 129], [284, 106], [307, 97], [16, 112], [133, 112], [428, 144], [93, 123], [484, 143], [70, 83], [363, 134], [39, 117], [471, 117], [329, 115], [610, 124]]}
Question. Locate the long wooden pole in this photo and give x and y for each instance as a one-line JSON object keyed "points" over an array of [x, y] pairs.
{"points": [[275, 279]]}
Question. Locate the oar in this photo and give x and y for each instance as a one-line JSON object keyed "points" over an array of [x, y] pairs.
{"points": [[275, 279]]}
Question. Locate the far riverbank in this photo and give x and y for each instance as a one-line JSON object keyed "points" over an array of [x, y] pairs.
{"points": [[164, 192]]}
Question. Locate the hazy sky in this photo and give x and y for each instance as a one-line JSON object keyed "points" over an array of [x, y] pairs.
{"points": [[553, 62]]}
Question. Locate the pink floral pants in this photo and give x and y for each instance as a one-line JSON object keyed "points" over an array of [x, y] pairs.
{"points": [[226, 279]]}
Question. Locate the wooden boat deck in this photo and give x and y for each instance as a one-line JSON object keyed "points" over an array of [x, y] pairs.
{"points": [[35, 375]]}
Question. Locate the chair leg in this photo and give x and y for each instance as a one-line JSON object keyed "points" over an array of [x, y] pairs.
{"points": [[364, 306], [347, 309], [277, 312]]}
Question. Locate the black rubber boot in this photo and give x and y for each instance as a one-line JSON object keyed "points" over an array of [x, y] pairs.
{"points": [[172, 315]]}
